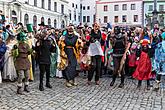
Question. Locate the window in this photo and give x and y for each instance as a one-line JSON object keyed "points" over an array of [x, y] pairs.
{"points": [[43, 3], [105, 8], [83, 7], [84, 19], [124, 7], [116, 19], [34, 20], [88, 18], [42, 19], [62, 24], [73, 5], [55, 6], [150, 8], [49, 5], [35, 2], [26, 19], [75, 16], [76, 6], [55, 23], [70, 16], [94, 18], [124, 18], [80, 6], [88, 8], [133, 7], [62, 9], [161, 7], [79, 18], [135, 18], [105, 19], [49, 22], [116, 8]]}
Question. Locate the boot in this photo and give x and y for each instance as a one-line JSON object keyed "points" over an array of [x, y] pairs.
{"points": [[48, 85], [113, 80], [121, 85], [122, 82], [41, 87], [157, 86], [26, 88], [139, 84], [97, 83], [68, 84], [148, 85], [19, 90]]}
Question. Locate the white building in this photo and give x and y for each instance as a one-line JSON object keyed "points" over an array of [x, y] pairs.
{"points": [[82, 11], [52, 12], [149, 8], [88, 11], [119, 12]]}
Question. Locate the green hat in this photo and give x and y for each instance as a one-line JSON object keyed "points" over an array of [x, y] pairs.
{"points": [[29, 27], [21, 36]]}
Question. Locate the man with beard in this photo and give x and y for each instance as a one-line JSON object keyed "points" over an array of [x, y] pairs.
{"points": [[120, 48]]}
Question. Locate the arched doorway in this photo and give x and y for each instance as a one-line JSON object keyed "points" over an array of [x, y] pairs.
{"points": [[62, 24], [34, 20], [26, 19], [42, 19], [55, 23], [49, 22], [14, 17]]}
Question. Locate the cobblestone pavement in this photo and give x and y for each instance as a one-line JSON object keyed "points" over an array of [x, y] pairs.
{"points": [[82, 97]]}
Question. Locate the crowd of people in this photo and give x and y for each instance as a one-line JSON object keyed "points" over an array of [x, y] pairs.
{"points": [[133, 51]]}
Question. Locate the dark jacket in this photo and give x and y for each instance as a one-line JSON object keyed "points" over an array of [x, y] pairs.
{"points": [[44, 51]]}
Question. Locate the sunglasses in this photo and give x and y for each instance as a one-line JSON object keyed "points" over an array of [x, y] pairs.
{"points": [[70, 31]]}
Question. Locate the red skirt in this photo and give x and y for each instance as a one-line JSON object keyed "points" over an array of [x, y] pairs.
{"points": [[144, 68]]}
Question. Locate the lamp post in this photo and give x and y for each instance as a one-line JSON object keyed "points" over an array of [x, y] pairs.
{"points": [[155, 14]]}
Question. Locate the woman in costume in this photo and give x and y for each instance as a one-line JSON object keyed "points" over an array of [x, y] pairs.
{"points": [[70, 53], [160, 61], [9, 71]]}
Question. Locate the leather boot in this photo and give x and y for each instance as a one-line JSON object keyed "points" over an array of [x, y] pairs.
{"points": [[48, 85], [26, 88], [19, 90], [41, 87], [113, 80]]}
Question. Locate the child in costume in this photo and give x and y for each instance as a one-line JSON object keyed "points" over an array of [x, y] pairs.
{"points": [[144, 67], [22, 63], [160, 61]]}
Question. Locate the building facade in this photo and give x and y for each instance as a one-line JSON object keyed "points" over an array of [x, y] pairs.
{"points": [[119, 12], [88, 10], [82, 11], [53, 12], [149, 8]]}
